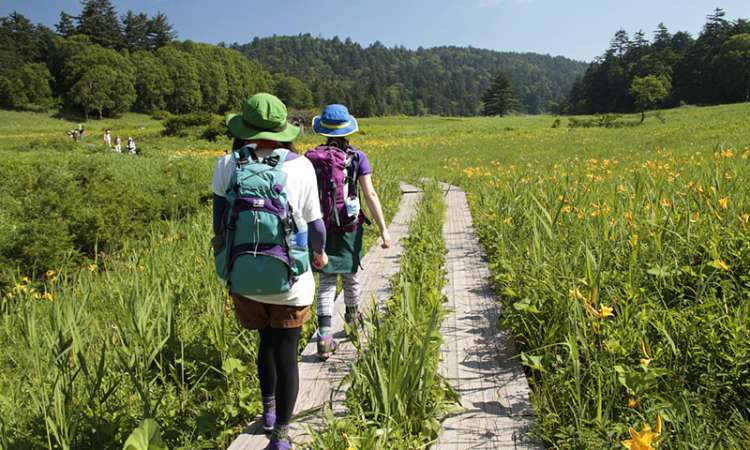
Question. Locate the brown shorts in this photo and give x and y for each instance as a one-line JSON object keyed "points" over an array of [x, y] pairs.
{"points": [[256, 315]]}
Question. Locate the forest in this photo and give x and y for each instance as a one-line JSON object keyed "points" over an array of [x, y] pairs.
{"points": [[713, 68], [448, 81], [83, 67]]}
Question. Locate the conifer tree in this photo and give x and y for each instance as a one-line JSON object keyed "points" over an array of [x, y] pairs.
{"points": [[98, 21], [66, 26], [135, 31], [500, 98]]}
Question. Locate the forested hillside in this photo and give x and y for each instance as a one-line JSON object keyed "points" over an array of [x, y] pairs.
{"points": [[377, 80], [102, 64], [712, 69]]}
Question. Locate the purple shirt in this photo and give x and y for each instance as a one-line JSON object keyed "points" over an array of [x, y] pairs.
{"points": [[364, 164]]}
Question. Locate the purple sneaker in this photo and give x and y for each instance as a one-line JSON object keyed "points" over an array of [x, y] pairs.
{"points": [[279, 444], [326, 346], [269, 420]]}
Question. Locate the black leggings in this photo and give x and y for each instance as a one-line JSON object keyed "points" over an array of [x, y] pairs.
{"points": [[277, 369]]}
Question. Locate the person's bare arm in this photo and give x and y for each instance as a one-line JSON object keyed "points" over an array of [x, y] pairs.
{"points": [[373, 204]]}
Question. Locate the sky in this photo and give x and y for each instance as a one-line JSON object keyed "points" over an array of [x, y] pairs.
{"points": [[579, 29]]}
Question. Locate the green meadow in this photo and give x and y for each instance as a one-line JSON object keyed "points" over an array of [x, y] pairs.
{"points": [[620, 257]]}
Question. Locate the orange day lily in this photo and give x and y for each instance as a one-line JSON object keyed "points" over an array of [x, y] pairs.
{"points": [[645, 439]]}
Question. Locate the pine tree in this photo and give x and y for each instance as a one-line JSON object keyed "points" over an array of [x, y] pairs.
{"points": [[65, 27], [99, 21], [500, 98], [160, 32], [135, 31]]}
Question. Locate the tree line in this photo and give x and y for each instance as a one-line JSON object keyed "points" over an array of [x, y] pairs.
{"points": [[377, 80], [99, 63], [670, 69]]}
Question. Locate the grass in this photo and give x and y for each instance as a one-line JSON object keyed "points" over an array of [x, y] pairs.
{"points": [[396, 397], [650, 221]]}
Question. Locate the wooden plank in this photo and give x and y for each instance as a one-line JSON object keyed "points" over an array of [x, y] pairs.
{"points": [[476, 358], [320, 383]]}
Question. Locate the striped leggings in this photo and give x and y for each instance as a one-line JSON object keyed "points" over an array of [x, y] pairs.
{"points": [[327, 291]]}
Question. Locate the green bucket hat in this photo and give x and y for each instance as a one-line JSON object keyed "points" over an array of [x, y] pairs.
{"points": [[263, 117]]}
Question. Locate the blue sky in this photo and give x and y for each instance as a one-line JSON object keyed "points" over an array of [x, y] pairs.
{"points": [[578, 29]]}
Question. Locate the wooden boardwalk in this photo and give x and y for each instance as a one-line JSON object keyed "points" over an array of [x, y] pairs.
{"points": [[477, 360], [320, 383]]}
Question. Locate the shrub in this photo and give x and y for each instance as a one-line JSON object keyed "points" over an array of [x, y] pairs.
{"points": [[59, 208], [178, 125]]}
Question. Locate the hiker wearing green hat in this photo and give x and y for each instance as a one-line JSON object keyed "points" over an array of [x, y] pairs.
{"points": [[266, 216], [341, 170]]}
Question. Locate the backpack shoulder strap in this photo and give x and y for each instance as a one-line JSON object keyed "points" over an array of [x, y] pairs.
{"points": [[244, 155], [277, 158], [352, 168]]}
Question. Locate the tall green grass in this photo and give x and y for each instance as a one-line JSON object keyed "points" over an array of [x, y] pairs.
{"points": [[396, 397]]}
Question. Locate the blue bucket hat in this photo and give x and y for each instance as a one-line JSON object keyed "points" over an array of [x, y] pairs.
{"points": [[335, 121]]}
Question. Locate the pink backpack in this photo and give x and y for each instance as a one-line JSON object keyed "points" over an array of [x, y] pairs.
{"points": [[336, 171]]}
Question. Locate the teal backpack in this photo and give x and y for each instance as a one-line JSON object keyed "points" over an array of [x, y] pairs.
{"points": [[262, 251]]}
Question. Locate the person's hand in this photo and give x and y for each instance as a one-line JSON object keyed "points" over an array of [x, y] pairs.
{"points": [[319, 260], [386, 239]]}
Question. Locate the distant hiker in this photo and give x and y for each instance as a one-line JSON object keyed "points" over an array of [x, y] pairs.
{"points": [[340, 170], [80, 131], [118, 145], [107, 139], [130, 146], [265, 206]]}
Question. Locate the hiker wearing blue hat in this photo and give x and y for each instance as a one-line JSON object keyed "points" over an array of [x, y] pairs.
{"points": [[341, 170], [268, 227]]}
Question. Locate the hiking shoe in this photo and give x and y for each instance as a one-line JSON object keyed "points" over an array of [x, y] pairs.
{"points": [[269, 420], [326, 346], [279, 444]]}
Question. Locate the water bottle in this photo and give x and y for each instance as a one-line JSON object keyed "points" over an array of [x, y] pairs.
{"points": [[352, 207], [299, 233]]}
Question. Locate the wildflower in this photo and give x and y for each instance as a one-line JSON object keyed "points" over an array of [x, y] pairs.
{"points": [[696, 216], [25, 280], [567, 209], [491, 216], [665, 203], [47, 296], [508, 220], [719, 264], [632, 403], [724, 202], [606, 311], [51, 275], [645, 361], [644, 439], [141, 268], [633, 241], [92, 267], [744, 219], [575, 294]]}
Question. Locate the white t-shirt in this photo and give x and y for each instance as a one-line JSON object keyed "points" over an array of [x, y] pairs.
{"points": [[302, 194]]}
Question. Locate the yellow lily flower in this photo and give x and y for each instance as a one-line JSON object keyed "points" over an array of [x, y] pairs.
{"points": [[606, 311], [645, 439]]}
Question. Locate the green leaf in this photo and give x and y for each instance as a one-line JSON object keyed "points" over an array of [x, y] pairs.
{"points": [[525, 305], [531, 361], [659, 271], [232, 365], [146, 437]]}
